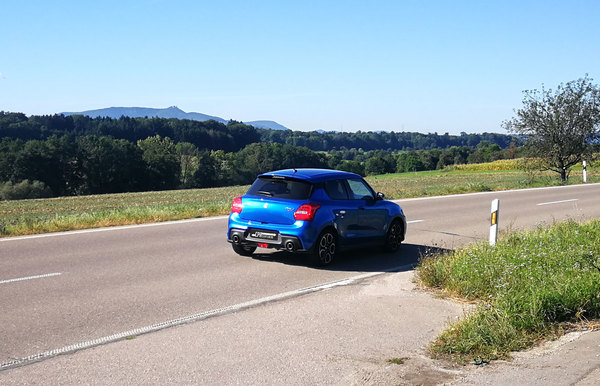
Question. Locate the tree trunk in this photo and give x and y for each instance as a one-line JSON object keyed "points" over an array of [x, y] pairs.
{"points": [[563, 175]]}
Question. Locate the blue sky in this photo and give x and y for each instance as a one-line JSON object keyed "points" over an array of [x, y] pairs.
{"points": [[428, 66]]}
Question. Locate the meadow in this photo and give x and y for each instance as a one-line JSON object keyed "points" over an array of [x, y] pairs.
{"points": [[23, 217]]}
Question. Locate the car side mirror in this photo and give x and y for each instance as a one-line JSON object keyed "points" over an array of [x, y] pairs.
{"points": [[380, 196]]}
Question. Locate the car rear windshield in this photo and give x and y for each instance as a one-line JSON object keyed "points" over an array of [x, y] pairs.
{"points": [[281, 188]]}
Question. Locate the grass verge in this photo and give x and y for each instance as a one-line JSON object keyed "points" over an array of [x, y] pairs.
{"points": [[527, 288], [24, 217]]}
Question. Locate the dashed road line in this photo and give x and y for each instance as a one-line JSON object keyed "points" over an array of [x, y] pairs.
{"points": [[30, 277], [557, 202]]}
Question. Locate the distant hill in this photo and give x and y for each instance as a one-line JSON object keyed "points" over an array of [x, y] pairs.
{"points": [[170, 112], [267, 125], [141, 112]]}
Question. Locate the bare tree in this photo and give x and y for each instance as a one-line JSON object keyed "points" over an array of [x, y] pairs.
{"points": [[559, 126]]}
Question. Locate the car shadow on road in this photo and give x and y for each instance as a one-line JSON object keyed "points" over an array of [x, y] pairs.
{"points": [[360, 260]]}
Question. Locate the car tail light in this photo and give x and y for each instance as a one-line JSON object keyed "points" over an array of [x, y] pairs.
{"points": [[236, 205], [306, 212]]}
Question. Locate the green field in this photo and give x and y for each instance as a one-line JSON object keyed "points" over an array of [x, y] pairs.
{"points": [[68, 213], [24, 217]]}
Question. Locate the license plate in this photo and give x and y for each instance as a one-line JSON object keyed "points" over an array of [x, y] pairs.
{"points": [[264, 235]]}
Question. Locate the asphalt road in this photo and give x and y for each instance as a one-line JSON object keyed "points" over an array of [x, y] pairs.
{"points": [[58, 290]]}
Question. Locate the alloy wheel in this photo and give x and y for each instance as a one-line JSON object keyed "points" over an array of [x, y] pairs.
{"points": [[326, 248]]}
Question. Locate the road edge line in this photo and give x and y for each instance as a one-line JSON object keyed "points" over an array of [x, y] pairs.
{"points": [[492, 192]]}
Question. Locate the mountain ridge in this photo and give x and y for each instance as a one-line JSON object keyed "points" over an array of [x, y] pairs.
{"points": [[169, 112]]}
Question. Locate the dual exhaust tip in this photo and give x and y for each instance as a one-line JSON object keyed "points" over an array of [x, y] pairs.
{"points": [[289, 245]]}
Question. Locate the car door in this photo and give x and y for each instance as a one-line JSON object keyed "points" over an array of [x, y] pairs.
{"points": [[345, 211], [372, 213]]}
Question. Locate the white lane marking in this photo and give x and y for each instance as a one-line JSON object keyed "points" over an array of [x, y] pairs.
{"points": [[116, 228], [414, 221], [496, 192], [192, 318], [557, 202], [31, 277]]}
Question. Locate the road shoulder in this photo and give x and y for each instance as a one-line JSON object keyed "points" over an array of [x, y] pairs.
{"points": [[574, 359]]}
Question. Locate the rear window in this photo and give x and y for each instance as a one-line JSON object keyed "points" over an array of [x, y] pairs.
{"points": [[280, 188]]}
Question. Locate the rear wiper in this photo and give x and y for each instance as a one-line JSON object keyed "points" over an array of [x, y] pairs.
{"points": [[265, 193]]}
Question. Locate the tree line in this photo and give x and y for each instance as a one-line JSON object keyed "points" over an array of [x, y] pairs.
{"points": [[391, 141], [230, 137], [94, 165], [67, 165], [208, 135]]}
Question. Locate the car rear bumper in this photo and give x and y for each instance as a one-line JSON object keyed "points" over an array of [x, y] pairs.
{"points": [[284, 242], [296, 237]]}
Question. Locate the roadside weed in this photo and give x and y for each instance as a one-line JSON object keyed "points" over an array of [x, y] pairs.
{"points": [[525, 286], [397, 361]]}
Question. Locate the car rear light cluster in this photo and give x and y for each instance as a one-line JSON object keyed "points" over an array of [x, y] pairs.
{"points": [[306, 212], [236, 205]]}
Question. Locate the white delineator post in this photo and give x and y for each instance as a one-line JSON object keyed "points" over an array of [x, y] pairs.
{"points": [[494, 222], [584, 172]]}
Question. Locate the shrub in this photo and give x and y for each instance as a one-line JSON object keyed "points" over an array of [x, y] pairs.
{"points": [[24, 190]]}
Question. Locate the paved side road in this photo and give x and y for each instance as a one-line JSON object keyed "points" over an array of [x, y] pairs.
{"points": [[343, 335]]}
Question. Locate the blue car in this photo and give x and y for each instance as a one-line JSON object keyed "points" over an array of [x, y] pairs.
{"points": [[318, 212]]}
